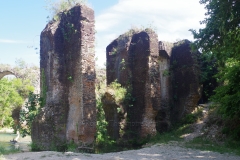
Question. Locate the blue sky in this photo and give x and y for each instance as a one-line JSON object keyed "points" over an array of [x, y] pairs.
{"points": [[23, 20]]}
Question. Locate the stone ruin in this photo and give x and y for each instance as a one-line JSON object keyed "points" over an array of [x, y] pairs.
{"points": [[67, 81], [186, 88], [132, 60], [7, 70], [162, 78]]}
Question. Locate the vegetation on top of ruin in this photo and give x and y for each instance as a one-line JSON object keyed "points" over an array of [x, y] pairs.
{"points": [[56, 8], [124, 39], [180, 42], [136, 30]]}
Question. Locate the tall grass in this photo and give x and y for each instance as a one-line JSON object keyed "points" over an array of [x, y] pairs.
{"points": [[4, 151], [175, 134], [202, 143]]}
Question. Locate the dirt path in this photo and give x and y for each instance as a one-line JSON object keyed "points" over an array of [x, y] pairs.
{"points": [[171, 151], [199, 125]]}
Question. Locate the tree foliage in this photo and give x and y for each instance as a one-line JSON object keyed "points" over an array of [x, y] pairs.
{"points": [[208, 66], [222, 28], [12, 95], [29, 112], [221, 37], [101, 135], [14, 91]]}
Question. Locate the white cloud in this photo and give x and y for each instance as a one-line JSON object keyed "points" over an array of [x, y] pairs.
{"points": [[171, 18], [11, 41]]}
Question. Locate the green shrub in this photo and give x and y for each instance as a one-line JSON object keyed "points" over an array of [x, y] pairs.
{"points": [[208, 67], [35, 147], [28, 114], [192, 117], [101, 135], [5, 151], [119, 92]]}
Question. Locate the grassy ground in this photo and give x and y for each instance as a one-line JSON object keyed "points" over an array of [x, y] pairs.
{"points": [[228, 145], [4, 151], [173, 135], [202, 143]]}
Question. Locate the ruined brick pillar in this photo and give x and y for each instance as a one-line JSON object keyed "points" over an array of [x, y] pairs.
{"points": [[164, 69], [186, 88], [143, 54], [163, 116], [139, 72], [118, 59], [67, 81], [117, 69]]}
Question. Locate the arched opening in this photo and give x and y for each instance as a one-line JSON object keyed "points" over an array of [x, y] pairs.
{"points": [[5, 73]]}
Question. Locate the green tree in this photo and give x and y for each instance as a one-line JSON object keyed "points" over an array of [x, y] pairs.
{"points": [[14, 91], [222, 28], [29, 112], [208, 66], [12, 95], [221, 37]]}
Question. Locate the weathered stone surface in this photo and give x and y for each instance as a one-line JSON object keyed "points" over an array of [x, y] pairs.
{"points": [[165, 86], [118, 59], [132, 60], [185, 80], [165, 46], [164, 69], [163, 116], [145, 82], [117, 69], [67, 81]]}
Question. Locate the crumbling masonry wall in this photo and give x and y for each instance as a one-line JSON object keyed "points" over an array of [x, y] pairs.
{"points": [[132, 60], [186, 88], [117, 69], [67, 81], [161, 77], [163, 116]]}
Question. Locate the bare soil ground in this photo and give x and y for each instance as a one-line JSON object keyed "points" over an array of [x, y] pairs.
{"points": [[171, 151]]}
